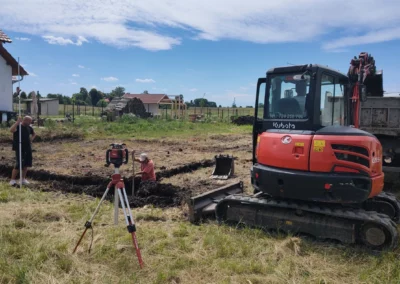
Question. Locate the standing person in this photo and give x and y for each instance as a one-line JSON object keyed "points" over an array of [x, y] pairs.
{"points": [[26, 149], [146, 168]]}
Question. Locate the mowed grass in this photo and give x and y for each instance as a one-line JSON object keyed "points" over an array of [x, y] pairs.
{"points": [[38, 232]]}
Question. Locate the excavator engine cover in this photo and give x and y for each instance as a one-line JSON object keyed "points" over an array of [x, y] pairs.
{"points": [[224, 167]]}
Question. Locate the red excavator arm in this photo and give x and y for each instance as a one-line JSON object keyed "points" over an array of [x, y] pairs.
{"points": [[365, 81]]}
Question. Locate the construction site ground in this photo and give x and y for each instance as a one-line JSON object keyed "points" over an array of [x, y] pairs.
{"points": [[41, 225]]}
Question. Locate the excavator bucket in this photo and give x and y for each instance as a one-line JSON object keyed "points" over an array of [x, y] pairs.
{"points": [[374, 84], [203, 205], [224, 167]]}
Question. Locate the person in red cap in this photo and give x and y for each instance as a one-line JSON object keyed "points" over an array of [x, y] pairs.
{"points": [[146, 168]]}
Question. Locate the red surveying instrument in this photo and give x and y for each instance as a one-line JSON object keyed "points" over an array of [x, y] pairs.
{"points": [[117, 155]]}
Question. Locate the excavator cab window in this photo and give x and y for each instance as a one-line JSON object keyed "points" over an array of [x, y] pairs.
{"points": [[332, 101], [288, 96]]}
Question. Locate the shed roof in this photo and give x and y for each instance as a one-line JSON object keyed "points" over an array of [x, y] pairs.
{"points": [[12, 62], [41, 100], [149, 98], [4, 37]]}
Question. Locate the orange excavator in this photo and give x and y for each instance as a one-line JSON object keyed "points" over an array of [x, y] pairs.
{"points": [[314, 171]]}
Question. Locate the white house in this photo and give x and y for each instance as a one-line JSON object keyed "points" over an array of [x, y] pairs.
{"points": [[151, 102], [8, 68]]}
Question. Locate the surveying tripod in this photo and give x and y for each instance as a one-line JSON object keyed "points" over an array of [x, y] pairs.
{"points": [[117, 156]]}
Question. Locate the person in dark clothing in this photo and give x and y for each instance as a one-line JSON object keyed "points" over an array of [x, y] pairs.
{"points": [[26, 149]]}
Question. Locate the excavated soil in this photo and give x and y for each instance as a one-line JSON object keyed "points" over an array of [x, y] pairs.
{"points": [[160, 195], [182, 167]]}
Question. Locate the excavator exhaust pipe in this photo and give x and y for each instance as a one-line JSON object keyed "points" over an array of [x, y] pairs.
{"points": [[224, 167], [203, 205]]}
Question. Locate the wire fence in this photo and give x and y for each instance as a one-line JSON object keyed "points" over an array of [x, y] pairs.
{"points": [[192, 113]]}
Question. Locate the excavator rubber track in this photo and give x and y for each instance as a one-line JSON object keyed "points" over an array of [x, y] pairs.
{"points": [[323, 221], [385, 203]]}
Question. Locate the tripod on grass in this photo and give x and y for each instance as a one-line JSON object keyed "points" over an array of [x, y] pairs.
{"points": [[117, 155]]}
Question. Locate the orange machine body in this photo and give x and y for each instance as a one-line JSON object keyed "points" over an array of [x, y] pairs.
{"points": [[282, 157]]}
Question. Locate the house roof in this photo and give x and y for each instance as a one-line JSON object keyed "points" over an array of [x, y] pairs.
{"points": [[4, 37], [149, 98], [12, 62]]}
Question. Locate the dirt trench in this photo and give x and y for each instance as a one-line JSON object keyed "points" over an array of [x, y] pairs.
{"points": [[161, 195]]}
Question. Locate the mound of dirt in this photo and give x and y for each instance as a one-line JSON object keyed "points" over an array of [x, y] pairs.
{"points": [[136, 107], [158, 194], [243, 120]]}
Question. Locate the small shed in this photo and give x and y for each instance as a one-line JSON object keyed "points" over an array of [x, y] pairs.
{"points": [[46, 106], [151, 102]]}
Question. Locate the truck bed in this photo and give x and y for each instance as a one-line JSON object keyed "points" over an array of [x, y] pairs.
{"points": [[381, 116]]}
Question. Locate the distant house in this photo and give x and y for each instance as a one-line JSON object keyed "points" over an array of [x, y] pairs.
{"points": [[46, 106], [152, 102], [8, 69]]}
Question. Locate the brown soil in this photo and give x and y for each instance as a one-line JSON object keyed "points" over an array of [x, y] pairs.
{"points": [[182, 167]]}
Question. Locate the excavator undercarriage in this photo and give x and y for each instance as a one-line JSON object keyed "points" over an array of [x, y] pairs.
{"points": [[345, 223]]}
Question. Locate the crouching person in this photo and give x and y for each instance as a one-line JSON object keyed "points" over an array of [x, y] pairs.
{"points": [[148, 177]]}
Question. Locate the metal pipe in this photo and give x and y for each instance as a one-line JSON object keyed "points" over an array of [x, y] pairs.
{"points": [[20, 146]]}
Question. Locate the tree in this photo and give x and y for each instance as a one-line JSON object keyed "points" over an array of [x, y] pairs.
{"points": [[117, 92], [202, 102], [88, 101], [95, 96], [78, 97], [145, 92], [23, 95], [84, 93], [67, 100], [57, 96], [101, 103]]}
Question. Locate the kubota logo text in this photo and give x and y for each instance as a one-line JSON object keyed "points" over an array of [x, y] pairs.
{"points": [[283, 125]]}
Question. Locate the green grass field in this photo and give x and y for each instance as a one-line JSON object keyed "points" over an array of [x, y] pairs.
{"points": [[39, 230]]}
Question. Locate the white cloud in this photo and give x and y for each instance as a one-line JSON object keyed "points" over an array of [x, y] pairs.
{"points": [[81, 66], [126, 23], [244, 88], [64, 41], [73, 83], [23, 38], [145, 80], [193, 90], [75, 75], [109, 79], [93, 87], [382, 35], [36, 83], [32, 74]]}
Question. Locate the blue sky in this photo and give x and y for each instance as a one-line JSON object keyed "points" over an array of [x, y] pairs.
{"points": [[216, 48]]}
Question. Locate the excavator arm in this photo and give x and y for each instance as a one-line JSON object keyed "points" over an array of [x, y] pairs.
{"points": [[364, 81]]}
